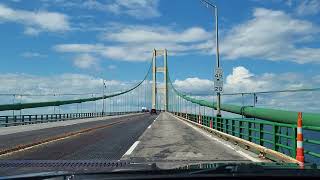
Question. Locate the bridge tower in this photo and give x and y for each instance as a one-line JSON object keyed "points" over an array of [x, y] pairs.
{"points": [[161, 69]]}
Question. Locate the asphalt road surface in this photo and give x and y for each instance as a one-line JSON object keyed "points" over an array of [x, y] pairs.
{"points": [[105, 140]]}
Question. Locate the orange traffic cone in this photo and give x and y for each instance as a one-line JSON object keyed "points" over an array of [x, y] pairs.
{"points": [[300, 151]]}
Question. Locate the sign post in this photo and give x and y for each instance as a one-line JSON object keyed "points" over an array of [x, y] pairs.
{"points": [[218, 87]]}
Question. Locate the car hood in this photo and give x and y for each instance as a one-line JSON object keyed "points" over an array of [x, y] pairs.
{"points": [[58, 167]]}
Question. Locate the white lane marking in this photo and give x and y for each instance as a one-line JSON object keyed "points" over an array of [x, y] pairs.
{"points": [[134, 145], [156, 118], [149, 126], [218, 140]]}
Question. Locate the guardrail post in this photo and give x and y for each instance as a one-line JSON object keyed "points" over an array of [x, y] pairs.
{"points": [[7, 121], [274, 137], [261, 134], [249, 131], [214, 120], [226, 125], [240, 130], [300, 151], [232, 127]]}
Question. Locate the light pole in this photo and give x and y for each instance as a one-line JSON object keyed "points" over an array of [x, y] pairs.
{"points": [[103, 99], [215, 8], [14, 97], [54, 107], [20, 104], [95, 104]]}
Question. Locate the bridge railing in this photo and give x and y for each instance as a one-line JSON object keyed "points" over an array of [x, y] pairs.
{"points": [[272, 128], [6, 121], [312, 142], [280, 137]]}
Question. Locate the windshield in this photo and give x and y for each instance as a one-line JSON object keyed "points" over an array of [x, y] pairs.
{"points": [[128, 85]]}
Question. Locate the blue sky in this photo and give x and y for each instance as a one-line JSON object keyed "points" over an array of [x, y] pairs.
{"points": [[265, 45]]}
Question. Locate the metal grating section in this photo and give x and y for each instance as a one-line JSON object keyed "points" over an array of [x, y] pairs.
{"points": [[62, 164]]}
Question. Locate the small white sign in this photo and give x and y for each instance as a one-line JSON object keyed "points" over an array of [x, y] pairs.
{"points": [[218, 80]]}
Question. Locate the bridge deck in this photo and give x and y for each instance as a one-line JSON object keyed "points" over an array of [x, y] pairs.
{"points": [[140, 137], [171, 139], [107, 143]]}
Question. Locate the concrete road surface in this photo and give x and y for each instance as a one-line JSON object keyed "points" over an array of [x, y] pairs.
{"points": [[170, 139]]}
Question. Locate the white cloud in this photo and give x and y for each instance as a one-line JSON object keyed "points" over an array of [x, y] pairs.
{"points": [[135, 43], [195, 86], [242, 80], [308, 7], [60, 85], [148, 34], [16, 1], [139, 9], [268, 35], [112, 67], [31, 31], [35, 21], [85, 61], [288, 3], [79, 48], [33, 55], [272, 35]]}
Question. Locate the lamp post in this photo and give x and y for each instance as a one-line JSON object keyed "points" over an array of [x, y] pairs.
{"points": [[14, 97], [215, 8], [103, 100]]}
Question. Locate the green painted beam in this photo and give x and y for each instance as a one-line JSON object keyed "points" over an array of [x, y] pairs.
{"points": [[281, 116], [18, 106]]}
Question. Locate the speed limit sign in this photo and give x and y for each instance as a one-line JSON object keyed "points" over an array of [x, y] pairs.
{"points": [[218, 80]]}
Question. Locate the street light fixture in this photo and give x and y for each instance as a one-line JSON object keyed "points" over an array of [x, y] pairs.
{"points": [[215, 8]]}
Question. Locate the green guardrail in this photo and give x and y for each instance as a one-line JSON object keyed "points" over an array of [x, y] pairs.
{"points": [[280, 137], [271, 128], [17, 120], [281, 116]]}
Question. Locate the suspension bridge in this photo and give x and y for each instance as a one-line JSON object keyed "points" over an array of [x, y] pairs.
{"points": [[185, 127]]}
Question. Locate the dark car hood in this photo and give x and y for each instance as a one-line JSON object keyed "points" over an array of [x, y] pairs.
{"points": [[46, 168]]}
